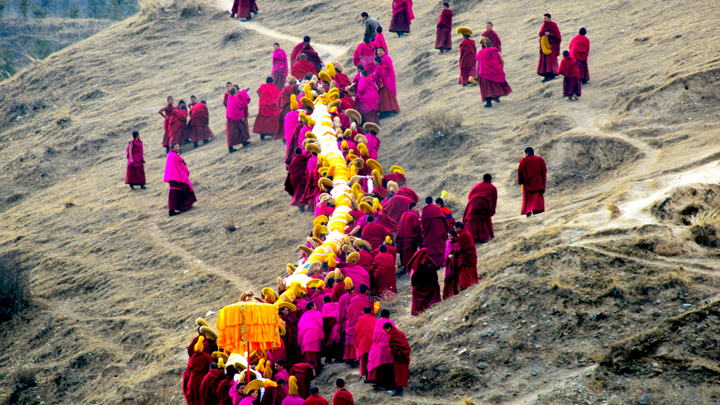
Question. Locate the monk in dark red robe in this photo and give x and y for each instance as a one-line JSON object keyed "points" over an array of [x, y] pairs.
{"points": [[409, 233], [198, 365], [165, 112], [290, 339], [223, 390], [477, 217], [242, 9], [364, 338], [209, 385], [452, 273], [466, 258], [400, 351], [548, 63], [178, 122], [374, 233], [312, 57], [383, 274], [342, 396], [424, 281], [396, 206], [434, 231], [291, 145], [532, 176], [493, 36], [467, 60], [135, 172], [579, 50], [266, 122], [409, 193], [302, 67], [443, 37], [305, 373], [298, 49], [199, 129], [572, 86], [295, 182], [284, 102], [341, 79]]}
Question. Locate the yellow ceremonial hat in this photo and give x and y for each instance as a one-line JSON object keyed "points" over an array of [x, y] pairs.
{"points": [[353, 257], [293, 102], [397, 169], [360, 138], [363, 150], [208, 332], [285, 304], [305, 249], [354, 115], [310, 135], [313, 148], [362, 243], [292, 385], [326, 183], [330, 69], [348, 283], [366, 207], [392, 186], [201, 322], [307, 102], [371, 127], [373, 164], [320, 219], [269, 295], [325, 77], [464, 31], [377, 178], [315, 283], [254, 385]]}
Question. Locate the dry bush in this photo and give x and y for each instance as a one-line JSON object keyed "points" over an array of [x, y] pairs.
{"points": [[705, 226], [13, 286], [614, 210], [466, 400], [63, 115], [68, 202], [441, 123], [615, 289], [24, 376], [559, 285], [229, 224], [452, 202], [675, 278]]}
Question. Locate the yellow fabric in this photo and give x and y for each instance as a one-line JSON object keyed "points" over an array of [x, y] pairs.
{"points": [[293, 102], [292, 385], [248, 326], [545, 45], [199, 345]]}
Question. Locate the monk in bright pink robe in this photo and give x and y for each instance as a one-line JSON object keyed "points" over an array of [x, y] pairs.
{"points": [[467, 60], [198, 125], [367, 98], [402, 16], [434, 231], [357, 273], [280, 66], [365, 55], [491, 75], [380, 370], [363, 340], [532, 176], [579, 50], [379, 41], [135, 172], [266, 122], [443, 37], [424, 282], [477, 217], [384, 77], [383, 274], [311, 335], [236, 127], [181, 197], [572, 86], [548, 64]]}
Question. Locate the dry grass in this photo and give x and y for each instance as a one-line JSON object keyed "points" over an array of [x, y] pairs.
{"points": [[63, 115], [675, 278], [229, 224], [561, 286], [68, 202], [442, 123], [613, 210], [13, 286], [467, 401], [24, 376]]}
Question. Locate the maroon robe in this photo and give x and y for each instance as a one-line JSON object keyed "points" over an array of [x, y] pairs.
{"points": [[266, 121], [343, 397], [135, 172], [297, 50], [178, 122], [571, 83], [374, 234], [365, 261], [363, 340], [409, 193], [312, 57], [209, 386], [354, 312], [198, 125], [467, 60], [223, 390], [398, 178], [284, 102], [402, 16], [408, 236], [548, 64], [316, 399], [532, 175], [304, 372], [396, 206], [579, 50], [477, 217], [301, 68], [290, 340], [400, 350], [197, 366], [443, 37], [312, 189], [290, 148], [434, 232], [295, 183], [166, 111], [424, 281], [466, 256], [338, 291], [383, 274], [493, 36]]}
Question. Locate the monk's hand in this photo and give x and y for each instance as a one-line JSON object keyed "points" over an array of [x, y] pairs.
{"points": [[451, 256], [132, 161], [547, 33]]}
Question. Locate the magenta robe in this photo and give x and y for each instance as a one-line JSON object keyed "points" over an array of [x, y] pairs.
{"points": [[367, 96], [408, 236], [365, 55], [279, 69], [380, 351], [310, 331]]}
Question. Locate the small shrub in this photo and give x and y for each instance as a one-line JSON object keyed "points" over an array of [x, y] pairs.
{"points": [[675, 278], [614, 210], [13, 286], [229, 223], [467, 401], [233, 35], [68, 202], [63, 115], [24, 376], [442, 123]]}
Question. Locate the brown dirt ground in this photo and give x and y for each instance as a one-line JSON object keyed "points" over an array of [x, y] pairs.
{"points": [[582, 304]]}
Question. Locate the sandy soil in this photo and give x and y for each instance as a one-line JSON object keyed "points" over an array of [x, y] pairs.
{"points": [[582, 304]]}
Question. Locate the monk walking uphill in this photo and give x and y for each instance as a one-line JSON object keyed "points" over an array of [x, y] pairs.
{"points": [[549, 49], [181, 197], [135, 174], [532, 176], [572, 87], [477, 217], [580, 50], [491, 74], [236, 126], [467, 56]]}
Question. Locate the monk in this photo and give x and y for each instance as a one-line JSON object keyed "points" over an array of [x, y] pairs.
{"points": [[242, 9], [311, 335], [178, 122], [452, 274], [387, 95], [365, 54], [236, 126], [354, 312], [448, 214], [434, 231], [374, 233], [491, 74], [210, 383], [402, 16], [363, 338], [424, 281], [198, 365], [312, 57], [291, 332], [341, 79], [579, 50], [342, 396], [380, 40], [400, 349], [409, 193], [491, 35], [315, 398], [443, 37], [181, 196], [331, 343], [572, 86], [298, 49], [279, 66], [532, 176], [198, 126], [478, 214], [165, 112], [380, 361], [384, 276], [296, 178], [284, 102], [266, 122], [302, 67], [466, 258], [550, 39], [409, 233], [293, 397], [135, 173], [343, 305], [467, 58], [367, 98], [396, 206], [304, 373], [227, 385]]}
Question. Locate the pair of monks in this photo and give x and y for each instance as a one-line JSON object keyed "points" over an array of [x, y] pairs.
{"points": [[486, 68], [550, 40], [179, 129]]}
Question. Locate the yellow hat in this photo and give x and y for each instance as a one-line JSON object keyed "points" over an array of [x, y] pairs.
{"points": [[199, 345], [544, 45], [308, 91], [316, 283], [254, 385], [221, 363], [363, 150], [334, 104], [338, 275], [269, 295], [360, 138], [358, 162], [371, 127], [315, 241], [314, 267], [320, 220], [269, 383], [373, 164], [392, 186], [323, 171], [388, 240], [324, 229], [281, 284], [348, 283], [310, 135], [357, 191], [201, 322], [325, 183], [285, 304], [366, 207], [307, 102], [290, 269], [281, 329], [376, 204], [292, 385], [464, 31], [376, 307], [354, 179], [360, 243], [332, 262], [397, 169], [325, 77], [313, 148], [353, 257], [354, 115], [219, 356], [330, 69], [208, 332], [377, 177], [293, 102], [305, 249], [344, 145]]}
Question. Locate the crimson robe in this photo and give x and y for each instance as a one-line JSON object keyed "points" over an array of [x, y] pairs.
{"points": [[342, 82], [424, 282], [284, 102], [178, 122], [198, 125], [135, 173], [365, 261], [409, 193], [209, 386], [312, 57], [301, 68], [467, 60], [304, 374], [408, 236], [197, 366], [296, 180], [166, 112], [548, 64], [316, 399], [338, 291], [374, 234], [354, 312], [402, 16], [477, 217], [579, 50], [343, 397], [384, 277], [290, 147], [532, 175], [572, 85], [365, 55], [443, 37], [466, 256], [434, 232], [363, 340], [266, 121], [493, 36], [400, 350], [223, 390], [290, 340], [396, 206], [297, 50]]}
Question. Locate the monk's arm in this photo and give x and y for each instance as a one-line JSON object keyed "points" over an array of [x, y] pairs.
{"points": [[130, 152], [355, 231]]}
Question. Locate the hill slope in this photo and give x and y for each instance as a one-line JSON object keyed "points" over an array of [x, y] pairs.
{"points": [[574, 306]]}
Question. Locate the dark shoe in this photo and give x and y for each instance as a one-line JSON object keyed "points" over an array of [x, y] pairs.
{"points": [[397, 393], [488, 103], [548, 78], [243, 20], [302, 209], [131, 187], [245, 144], [535, 212], [232, 15], [187, 141], [232, 150], [496, 99], [173, 213], [206, 141], [143, 187], [262, 137], [255, 12], [528, 214], [167, 149], [195, 144], [583, 81]]}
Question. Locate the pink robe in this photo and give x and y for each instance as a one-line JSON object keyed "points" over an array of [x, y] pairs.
{"points": [[310, 332], [279, 68], [365, 55], [367, 96], [380, 42], [380, 351], [176, 170]]}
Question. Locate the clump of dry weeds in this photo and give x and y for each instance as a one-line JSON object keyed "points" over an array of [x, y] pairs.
{"points": [[68, 202], [705, 226], [13, 286], [441, 123], [614, 210], [229, 224], [63, 115], [675, 278]]}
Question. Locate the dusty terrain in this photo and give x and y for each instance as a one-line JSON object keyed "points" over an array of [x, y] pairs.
{"points": [[610, 297]]}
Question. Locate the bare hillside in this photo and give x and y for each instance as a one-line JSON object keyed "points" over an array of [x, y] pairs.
{"points": [[610, 295]]}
